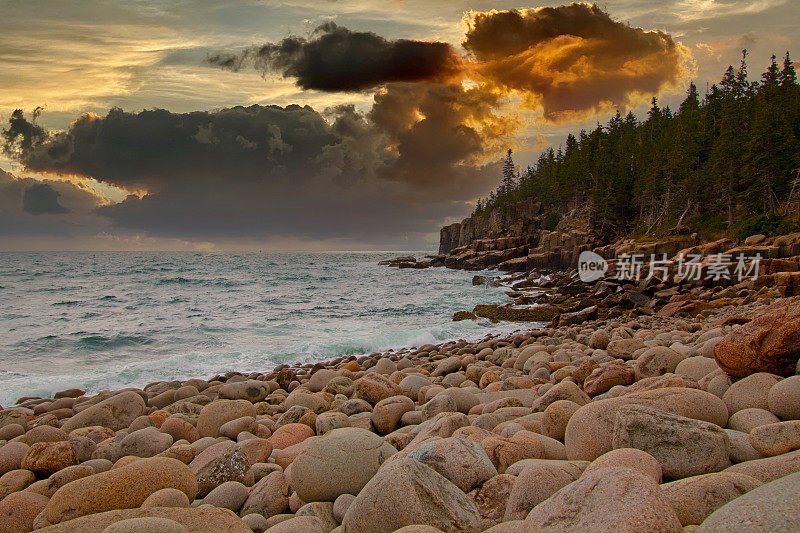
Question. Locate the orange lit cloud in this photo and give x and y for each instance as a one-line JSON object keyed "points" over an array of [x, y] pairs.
{"points": [[572, 60]]}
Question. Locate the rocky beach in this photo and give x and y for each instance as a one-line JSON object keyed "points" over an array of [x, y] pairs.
{"points": [[224, 309], [652, 405]]}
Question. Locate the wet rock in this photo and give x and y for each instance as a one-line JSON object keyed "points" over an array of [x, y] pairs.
{"points": [[540, 313]]}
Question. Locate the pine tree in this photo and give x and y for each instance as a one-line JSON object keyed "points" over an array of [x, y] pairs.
{"points": [[788, 76], [508, 184], [509, 181]]}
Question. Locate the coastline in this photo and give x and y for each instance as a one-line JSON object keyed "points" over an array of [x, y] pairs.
{"points": [[589, 398]]}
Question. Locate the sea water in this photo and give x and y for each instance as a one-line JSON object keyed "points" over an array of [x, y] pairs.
{"points": [[108, 320]]}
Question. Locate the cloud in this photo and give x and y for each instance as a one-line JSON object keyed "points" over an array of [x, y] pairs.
{"points": [[42, 199], [720, 47], [266, 172], [426, 145], [40, 207], [697, 10], [335, 59], [572, 60]]}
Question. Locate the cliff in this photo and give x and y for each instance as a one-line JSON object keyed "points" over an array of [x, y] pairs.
{"points": [[513, 239], [521, 221]]}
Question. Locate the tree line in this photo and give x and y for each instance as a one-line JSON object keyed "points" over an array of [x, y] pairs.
{"points": [[726, 163]]}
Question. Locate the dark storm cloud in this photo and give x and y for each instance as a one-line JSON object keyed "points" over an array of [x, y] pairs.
{"points": [[335, 58], [150, 148], [438, 132], [22, 134], [42, 199], [259, 171], [573, 59]]}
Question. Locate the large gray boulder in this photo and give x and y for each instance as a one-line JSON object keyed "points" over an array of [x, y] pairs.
{"points": [[406, 492], [683, 446], [609, 499], [461, 461]]}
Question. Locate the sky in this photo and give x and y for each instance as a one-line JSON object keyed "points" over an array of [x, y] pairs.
{"points": [[326, 124]]}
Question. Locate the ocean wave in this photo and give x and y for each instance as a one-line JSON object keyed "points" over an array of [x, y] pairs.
{"points": [[102, 342], [179, 281], [202, 319], [206, 363]]}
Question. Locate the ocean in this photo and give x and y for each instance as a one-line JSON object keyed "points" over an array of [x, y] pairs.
{"points": [[108, 320]]}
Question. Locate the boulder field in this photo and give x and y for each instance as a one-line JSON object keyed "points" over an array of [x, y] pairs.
{"points": [[643, 422]]}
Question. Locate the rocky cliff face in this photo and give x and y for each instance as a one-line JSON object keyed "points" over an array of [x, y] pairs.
{"points": [[522, 221], [513, 240]]}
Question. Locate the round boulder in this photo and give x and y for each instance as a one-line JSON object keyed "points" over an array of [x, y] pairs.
{"points": [[340, 462], [608, 499], [783, 398], [406, 492], [218, 412], [120, 488]]}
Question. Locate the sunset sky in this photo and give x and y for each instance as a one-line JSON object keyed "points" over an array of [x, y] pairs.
{"points": [[321, 125]]}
